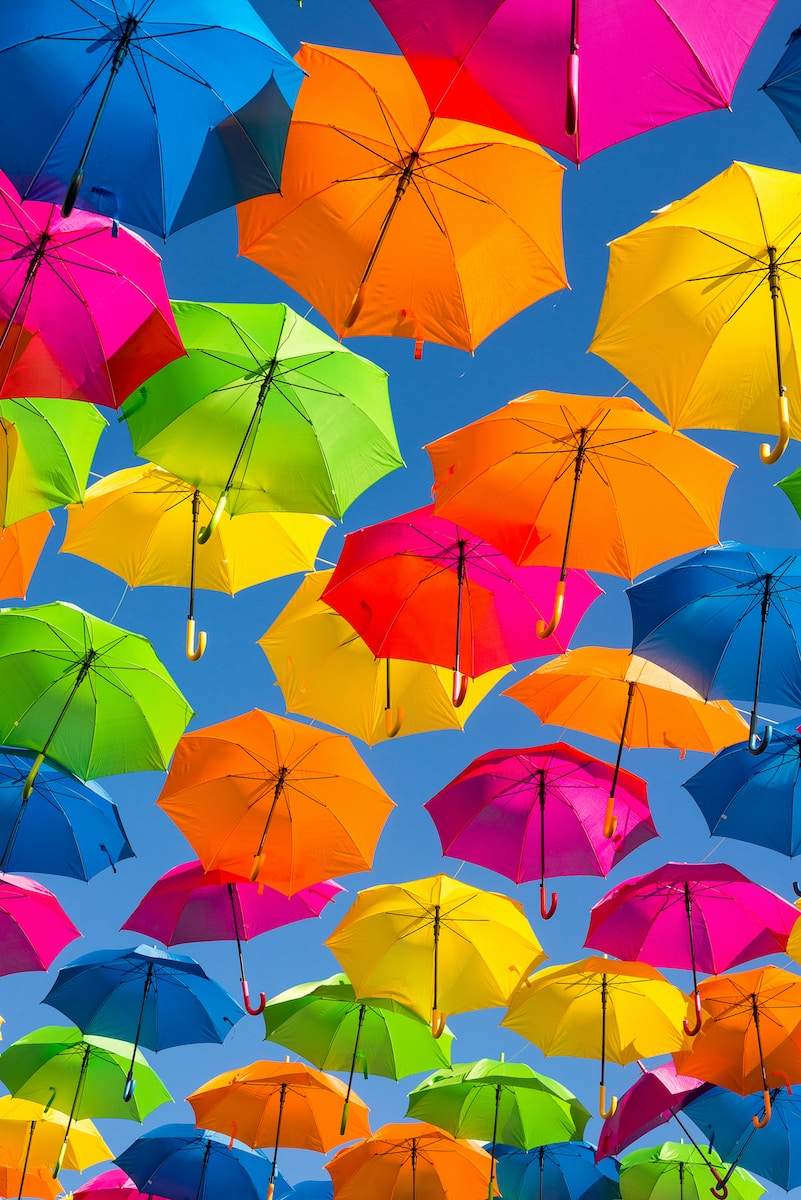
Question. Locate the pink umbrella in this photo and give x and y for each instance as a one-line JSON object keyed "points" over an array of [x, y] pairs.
{"points": [[702, 916], [575, 75], [506, 806], [188, 904], [84, 311], [33, 926], [422, 588], [111, 1185], [651, 1100]]}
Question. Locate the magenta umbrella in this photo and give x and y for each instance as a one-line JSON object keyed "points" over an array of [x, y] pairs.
{"points": [[33, 926], [575, 75], [702, 916], [84, 311], [188, 904], [421, 588], [111, 1185], [651, 1100], [504, 808]]}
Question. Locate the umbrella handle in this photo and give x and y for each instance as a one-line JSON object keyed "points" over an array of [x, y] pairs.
{"points": [[459, 689], [755, 746], [271, 1190], [719, 1188], [438, 1020], [34, 771], [760, 1123], [571, 109], [343, 1124], [258, 863], [72, 193], [545, 631], [602, 1103], [355, 309], [393, 725], [208, 530], [128, 1090], [796, 889], [60, 1159], [693, 1030], [254, 1012], [610, 821], [767, 455], [547, 910], [194, 651]]}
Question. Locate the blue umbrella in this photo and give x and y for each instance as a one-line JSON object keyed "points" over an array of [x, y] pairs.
{"points": [[156, 998], [64, 827], [157, 112], [182, 1162], [560, 1171], [726, 621], [313, 1189], [773, 1151], [784, 84]]}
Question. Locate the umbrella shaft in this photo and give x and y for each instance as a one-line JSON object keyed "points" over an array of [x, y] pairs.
{"points": [[27, 283], [775, 294], [281, 1102], [237, 935], [626, 715], [193, 553], [25, 1160], [688, 904], [355, 1050], [123, 45], [577, 469], [279, 787], [760, 652], [84, 671], [460, 575]]}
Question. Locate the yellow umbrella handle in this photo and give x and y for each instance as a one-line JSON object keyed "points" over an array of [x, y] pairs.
{"points": [[761, 1122], [393, 724], [34, 771], [545, 631], [767, 455], [194, 651], [610, 821], [602, 1103]]}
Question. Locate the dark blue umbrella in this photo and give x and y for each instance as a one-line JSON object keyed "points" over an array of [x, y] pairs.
{"points": [[155, 112], [784, 84], [148, 996], [64, 827], [773, 1151], [182, 1162], [559, 1171], [726, 621]]}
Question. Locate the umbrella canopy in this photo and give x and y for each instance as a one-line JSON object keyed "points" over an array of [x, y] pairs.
{"points": [[111, 1185], [672, 1169], [507, 806], [263, 796], [329, 673], [651, 1100], [20, 547], [774, 1152], [561, 1171], [34, 928], [783, 86], [435, 945], [266, 413], [421, 587], [709, 285], [35, 1182], [629, 68], [30, 1136], [394, 221], [181, 1162], [153, 116]]}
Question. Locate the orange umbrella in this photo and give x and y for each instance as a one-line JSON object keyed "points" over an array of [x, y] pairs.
{"points": [[275, 800], [394, 221], [39, 1183], [20, 547], [272, 1104], [410, 1162]]}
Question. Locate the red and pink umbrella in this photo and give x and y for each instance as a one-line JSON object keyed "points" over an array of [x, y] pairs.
{"points": [[651, 1100], [33, 926], [111, 1185]]}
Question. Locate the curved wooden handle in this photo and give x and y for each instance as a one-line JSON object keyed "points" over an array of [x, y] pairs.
{"points": [[767, 455], [760, 1123], [545, 631], [438, 1020], [194, 650]]}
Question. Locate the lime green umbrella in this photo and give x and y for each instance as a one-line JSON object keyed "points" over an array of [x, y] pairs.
{"points": [[46, 447], [90, 696], [80, 1075], [674, 1171], [791, 486], [325, 1023], [265, 413]]}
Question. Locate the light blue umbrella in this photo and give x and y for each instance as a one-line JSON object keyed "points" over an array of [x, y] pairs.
{"points": [[784, 83], [772, 1150], [559, 1171]]}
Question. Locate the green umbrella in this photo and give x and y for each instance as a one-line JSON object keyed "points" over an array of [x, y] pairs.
{"points": [[90, 696], [265, 413], [47, 447], [674, 1171], [501, 1102], [80, 1075], [325, 1023], [791, 486]]}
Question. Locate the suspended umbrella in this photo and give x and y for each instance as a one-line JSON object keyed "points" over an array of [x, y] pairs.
{"points": [[20, 547], [656, 1097], [404, 1160], [142, 524], [435, 945], [675, 1170], [286, 804], [420, 587], [181, 1162], [188, 904], [265, 413], [30, 1136], [595, 481], [727, 1120], [111, 1185], [150, 114], [35, 1182], [783, 86], [409, 226], [560, 1171], [619, 696], [34, 928], [505, 807], [328, 673], [313, 1189], [598, 1008]]}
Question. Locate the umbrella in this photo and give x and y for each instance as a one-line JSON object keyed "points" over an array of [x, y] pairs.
{"points": [[328, 673], [675, 1170], [629, 67], [63, 827], [705, 916], [188, 904], [20, 547], [149, 114], [709, 285], [30, 1137], [560, 1171], [159, 999], [29, 1183], [47, 447], [313, 1189], [181, 1162], [435, 945], [34, 928], [142, 524], [392, 221], [272, 1104], [651, 1100], [326, 1023], [617, 695], [505, 807], [418, 1160], [263, 796], [266, 413], [92, 697], [597, 1008], [79, 1074], [724, 620], [111, 1185], [728, 1121], [83, 304], [423, 588], [592, 480], [782, 86]]}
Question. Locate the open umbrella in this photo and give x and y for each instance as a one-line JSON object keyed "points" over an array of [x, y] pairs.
{"points": [[33, 926], [111, 1185], [393, 221], [673, 1170], [20, 547], [30, 1137], [727, 1120], [651, 1100], [34, 1182], [783, 85], [147, 113], [181, 1162], [410, 1160], [560, 1171]]}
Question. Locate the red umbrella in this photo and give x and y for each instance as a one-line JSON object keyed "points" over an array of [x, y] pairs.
{"points": [[33, 926]]}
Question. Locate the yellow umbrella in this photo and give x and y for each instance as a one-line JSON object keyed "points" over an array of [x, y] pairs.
{"points": [[31, 1137], [599, 1008], [327, 672], [436, 945], [702, 306], [141, 523]]}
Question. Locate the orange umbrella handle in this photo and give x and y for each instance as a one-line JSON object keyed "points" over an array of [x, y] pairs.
{"points": [[693, 1030], [610, 821], [438, 1020], [393, 724], [767, 455], [602, 1103], [356, 307], [760, 1123], [194, 651], [545, 631]]}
